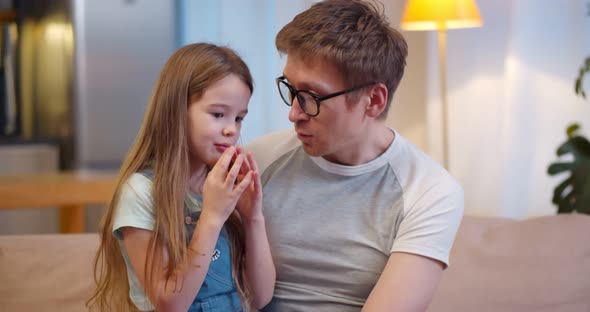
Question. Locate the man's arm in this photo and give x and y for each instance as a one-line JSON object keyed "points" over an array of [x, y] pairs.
{"points": [[407, 283], [420, 251]]}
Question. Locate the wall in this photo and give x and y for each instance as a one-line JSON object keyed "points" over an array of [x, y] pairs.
{"points": [[510, 99], [409, 106]]}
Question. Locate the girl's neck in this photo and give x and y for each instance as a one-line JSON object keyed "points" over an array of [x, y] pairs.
{"points": [[197, 178]]}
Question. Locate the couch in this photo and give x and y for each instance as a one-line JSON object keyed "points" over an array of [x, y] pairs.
{"points": [[539, 264]]}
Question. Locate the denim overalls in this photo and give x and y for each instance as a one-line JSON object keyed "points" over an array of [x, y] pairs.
{"points": [[218, 292]]}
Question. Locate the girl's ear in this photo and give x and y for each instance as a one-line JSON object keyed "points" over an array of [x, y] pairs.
{"points": [[377, 100]]}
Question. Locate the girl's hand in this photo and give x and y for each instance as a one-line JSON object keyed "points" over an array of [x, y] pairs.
{"points": [[250, 203], [220, 191]]}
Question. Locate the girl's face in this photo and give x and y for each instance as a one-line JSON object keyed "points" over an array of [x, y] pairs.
{"points": [[215, 120]]}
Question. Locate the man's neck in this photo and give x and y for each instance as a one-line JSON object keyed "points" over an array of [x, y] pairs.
{"points": [[370, 144]]}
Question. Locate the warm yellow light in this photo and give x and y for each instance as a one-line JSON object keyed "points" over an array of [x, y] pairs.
{"points": [[440, 14]]}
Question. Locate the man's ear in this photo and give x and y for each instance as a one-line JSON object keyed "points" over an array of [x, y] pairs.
{"points": [[377, 100]]}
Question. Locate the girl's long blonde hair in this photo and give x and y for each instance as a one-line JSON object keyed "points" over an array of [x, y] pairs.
{"points": [[162, 146]]}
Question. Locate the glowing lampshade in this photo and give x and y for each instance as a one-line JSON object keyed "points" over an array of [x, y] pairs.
{"points": [[440, 14]]}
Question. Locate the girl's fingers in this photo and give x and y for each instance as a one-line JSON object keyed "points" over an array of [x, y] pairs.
{"points": [[222, 165], [252, 162], [257, 183], [254, 166], [243, 184], [246, 165], [245, 168], [234, 170]]}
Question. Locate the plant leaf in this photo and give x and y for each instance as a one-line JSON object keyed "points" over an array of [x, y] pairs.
{"points": [[557, 193], [584, 69], [557, 168], [578, 198], [565, 204], [571, 129]]}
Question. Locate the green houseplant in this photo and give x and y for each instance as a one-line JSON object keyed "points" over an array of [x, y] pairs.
{"points": [[573, 194]]}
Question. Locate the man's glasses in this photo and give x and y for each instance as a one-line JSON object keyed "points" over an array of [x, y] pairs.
{"points": [[308, 101]]}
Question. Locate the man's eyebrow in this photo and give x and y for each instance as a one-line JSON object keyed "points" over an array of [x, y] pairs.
{"points": [[304, 86]]}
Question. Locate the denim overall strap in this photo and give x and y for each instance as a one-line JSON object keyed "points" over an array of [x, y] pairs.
{"points": [[218, 292]]}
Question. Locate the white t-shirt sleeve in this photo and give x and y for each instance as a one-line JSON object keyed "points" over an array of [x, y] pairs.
{"points": [[431, 223], [136, 205]]}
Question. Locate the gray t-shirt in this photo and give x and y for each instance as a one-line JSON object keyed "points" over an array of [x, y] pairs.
{"points": [[332, 228]]}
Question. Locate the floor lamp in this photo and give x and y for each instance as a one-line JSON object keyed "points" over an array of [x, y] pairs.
{"points": [[441, 15]]}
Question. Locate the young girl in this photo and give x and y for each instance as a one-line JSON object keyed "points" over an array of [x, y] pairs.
{"points": [[185, 229]]}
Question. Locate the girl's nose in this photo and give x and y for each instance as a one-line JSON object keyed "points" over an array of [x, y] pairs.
{"points": [[229, 130]]}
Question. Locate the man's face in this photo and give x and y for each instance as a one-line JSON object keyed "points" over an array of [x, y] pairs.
{"points": [[335, 133]]}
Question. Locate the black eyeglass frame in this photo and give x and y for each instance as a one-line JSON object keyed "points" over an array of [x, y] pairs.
{"points": [[317, 98]]}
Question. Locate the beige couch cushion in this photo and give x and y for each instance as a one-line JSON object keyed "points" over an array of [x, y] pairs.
{"points": [[46, 272], [540, 264]]}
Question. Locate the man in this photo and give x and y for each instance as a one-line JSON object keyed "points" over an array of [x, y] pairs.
{"points": [[357, 217]]}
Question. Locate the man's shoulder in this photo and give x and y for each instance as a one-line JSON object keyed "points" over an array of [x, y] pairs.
{"points": [[271, 147], [416, 169]]}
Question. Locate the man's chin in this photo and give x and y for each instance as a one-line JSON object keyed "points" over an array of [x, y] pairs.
{"points": [[314, 152]]}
